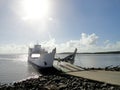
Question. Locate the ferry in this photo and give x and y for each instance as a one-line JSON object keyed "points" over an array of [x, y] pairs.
{"points": [[40, 57]]}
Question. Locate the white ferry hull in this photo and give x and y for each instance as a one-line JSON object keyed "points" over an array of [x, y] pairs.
{"points": [[44, 60]]}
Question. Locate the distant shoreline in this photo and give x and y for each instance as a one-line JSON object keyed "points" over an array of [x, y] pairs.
{"points": [[109, 52]]}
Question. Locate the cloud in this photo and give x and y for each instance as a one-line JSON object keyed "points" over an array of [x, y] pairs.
{"points": [[88, 39], [86, 43], [13, 48]]}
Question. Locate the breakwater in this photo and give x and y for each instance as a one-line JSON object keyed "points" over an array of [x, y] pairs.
{"points": [[59, 82]]}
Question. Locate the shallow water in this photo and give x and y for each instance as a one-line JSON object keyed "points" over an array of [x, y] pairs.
{"points": [[14, 67]]}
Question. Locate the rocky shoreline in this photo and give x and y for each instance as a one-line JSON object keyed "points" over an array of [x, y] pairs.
{"points": [[108, 68], [61, 81]]}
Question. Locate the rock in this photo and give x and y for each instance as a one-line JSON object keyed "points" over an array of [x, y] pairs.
{"points": [[104, 85], [62, 87], [51, 87], [112, 88], [59, 82]]}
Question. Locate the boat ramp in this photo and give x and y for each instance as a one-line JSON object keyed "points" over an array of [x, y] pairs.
{"points": [[110, 77]]}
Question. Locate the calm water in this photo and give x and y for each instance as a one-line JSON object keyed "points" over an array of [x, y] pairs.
{"points": [[14, 67], [95, 60]]}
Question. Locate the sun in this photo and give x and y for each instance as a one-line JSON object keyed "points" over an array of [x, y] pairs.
{"points": [[35, 9]]}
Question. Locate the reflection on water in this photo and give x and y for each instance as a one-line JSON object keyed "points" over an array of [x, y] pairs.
{"points": [[14, 67]]}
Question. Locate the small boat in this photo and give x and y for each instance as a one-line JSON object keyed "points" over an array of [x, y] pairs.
{"points": [[40, 57]]}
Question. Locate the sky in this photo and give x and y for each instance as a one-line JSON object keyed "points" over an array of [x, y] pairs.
{"points": [[88, 25]]}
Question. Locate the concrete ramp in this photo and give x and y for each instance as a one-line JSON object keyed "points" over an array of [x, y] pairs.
{"points": [[65, 67], [110, 77]]}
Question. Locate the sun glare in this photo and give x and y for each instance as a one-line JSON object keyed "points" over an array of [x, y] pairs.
{"points": [[35, 9]]}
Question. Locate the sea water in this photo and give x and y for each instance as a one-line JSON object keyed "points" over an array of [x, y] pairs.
{"points": [[14, 67], [95, 60]]}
